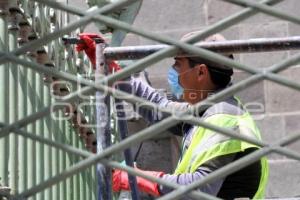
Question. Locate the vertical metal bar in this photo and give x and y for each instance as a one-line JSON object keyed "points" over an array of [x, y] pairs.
{"points": [[30, 98], [88, 184], [103, 127], [47, 148], [61, 153], [53, 135], [56, 132], [22, 109], [75, 159], [78, 175], [31, 148], [72, 179], [82, 178], [64, 159], [123, 130], [13, 112], [40, 131], [94, 183], [55, 151], [67, 133], [4, 83]]}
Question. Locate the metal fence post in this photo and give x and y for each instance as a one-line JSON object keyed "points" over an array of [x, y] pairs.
{"points": [[103, 126], [13, 106], [39, 127], [24, 32], [123, 130], [4, 84]]}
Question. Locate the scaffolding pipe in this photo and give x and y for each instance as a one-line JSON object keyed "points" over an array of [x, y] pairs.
{"points": [[102, 126], [229, 47], [123, 129]]}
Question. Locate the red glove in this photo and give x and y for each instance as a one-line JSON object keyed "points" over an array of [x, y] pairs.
{"points": [[89, 47], [120, 182]]}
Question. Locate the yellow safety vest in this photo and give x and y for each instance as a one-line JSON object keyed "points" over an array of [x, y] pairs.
{"points": [[200, 150]]}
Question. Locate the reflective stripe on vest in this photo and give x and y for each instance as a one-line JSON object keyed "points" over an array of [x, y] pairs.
{"points": [[207, 144]]}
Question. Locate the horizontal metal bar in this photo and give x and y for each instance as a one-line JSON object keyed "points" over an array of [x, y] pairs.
{"points": [[228, 47], [75, 40]]}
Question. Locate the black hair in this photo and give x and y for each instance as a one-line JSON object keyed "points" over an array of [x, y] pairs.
{"points": [[221, 77]]}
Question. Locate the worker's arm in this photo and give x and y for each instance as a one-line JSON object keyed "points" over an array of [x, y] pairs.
{"points": [[120, 178], [203, 171], [138, 87]]}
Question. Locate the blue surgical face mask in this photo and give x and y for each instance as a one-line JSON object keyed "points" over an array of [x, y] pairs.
{"points": [[173, 80]]}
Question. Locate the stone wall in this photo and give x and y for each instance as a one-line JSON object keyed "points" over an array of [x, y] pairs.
{"points": [[279, 106]]}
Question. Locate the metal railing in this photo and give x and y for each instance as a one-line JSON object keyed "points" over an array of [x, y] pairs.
{"points": [[32, 122]]}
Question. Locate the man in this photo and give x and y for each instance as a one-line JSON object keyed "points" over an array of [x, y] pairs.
{"points": [[204, 151]]}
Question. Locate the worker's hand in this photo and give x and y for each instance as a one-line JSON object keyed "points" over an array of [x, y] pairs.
{"points": [[120, 182], [89, 47]]}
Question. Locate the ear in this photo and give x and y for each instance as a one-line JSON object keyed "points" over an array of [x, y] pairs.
{"points": [[202, 71]]}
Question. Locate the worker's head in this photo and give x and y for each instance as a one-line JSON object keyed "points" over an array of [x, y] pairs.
{"points": [[194, 78]]}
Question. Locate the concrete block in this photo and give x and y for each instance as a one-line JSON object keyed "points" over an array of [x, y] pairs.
{"points": [[292, 127], [267, 30], [218, 10], [160, 153], [161, 15], [281, 98], [160, 68], [131, 40], [253, 96], [284, 179], [173, 34], [285, 6], [272, 129], [160, 82]]}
